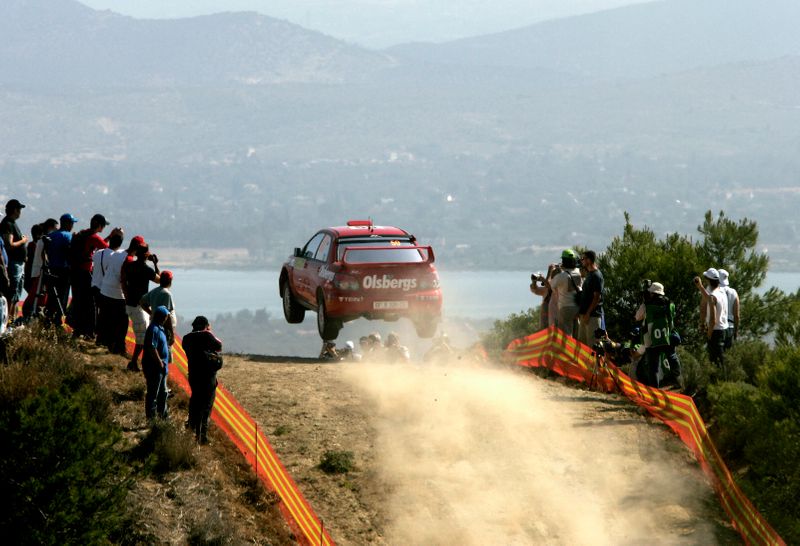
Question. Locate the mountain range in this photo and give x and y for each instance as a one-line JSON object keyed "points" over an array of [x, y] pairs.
{"points": [[656, 108]]}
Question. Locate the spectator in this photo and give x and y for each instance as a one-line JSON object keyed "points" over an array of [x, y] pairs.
{"points": [[135, 278], [548, 311], [4, 284], [161, 295], [328, 351], [82, 249], [567, 284], [590, 312], [658, 316], [441, 352], [202, 354], [14, 242], [394, 351], [101, 267], [38, 263], [716, 317], [733, 309], [114, 299], [155, 365], [365, 345], [57, 252], [37, 230]]}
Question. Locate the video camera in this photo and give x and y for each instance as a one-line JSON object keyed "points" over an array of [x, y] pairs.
{"points": [[619, 353]]}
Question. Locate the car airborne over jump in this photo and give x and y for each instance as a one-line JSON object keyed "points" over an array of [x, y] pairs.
{"points": [[362, 270]]}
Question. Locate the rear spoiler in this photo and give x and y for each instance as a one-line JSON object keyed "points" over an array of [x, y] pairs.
{"points": [[427, 250]]}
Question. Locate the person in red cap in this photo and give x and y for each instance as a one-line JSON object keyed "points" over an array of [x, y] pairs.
{"points": [[113, 298], [136, 277], [161, 295]]}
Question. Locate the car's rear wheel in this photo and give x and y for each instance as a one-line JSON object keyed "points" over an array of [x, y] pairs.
{"points": [[328, 327], [426, 327], [292, 310]]}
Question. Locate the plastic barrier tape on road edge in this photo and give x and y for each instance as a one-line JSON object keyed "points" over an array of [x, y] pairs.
{"points": [[243, 431], [564, 355]]}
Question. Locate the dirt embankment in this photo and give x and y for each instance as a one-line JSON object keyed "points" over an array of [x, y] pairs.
{"points": [[466, 455]]}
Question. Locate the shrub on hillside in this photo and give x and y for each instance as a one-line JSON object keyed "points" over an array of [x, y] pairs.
{"points": [[515, 326], [167, 448], [60, 470], [759, 428], [58, 459]]}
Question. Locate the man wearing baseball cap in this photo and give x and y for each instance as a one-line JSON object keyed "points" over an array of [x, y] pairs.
{"points": [[82, 249], [714, 310], [155, 365], [733, 308], [202, 347], [14, 242], [57, 252]]}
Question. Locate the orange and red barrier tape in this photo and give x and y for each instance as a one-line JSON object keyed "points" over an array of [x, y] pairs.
{"points": [[243, 431], [564, 355]]}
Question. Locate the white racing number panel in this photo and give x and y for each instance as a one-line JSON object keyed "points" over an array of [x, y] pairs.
{"points": [[381, 305]]}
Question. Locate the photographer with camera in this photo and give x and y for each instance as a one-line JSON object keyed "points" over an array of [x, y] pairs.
{"points": [[567, 286], [549, 308], [590, 313], [135, 278], [660, 364]]}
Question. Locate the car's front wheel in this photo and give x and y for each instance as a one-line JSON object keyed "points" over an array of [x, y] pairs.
{"points": [[328, 327], [292, 310]]}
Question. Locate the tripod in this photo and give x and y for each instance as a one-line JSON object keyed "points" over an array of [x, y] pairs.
{"points": [[47, 286]]}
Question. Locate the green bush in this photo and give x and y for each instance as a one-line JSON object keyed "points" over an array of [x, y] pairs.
{"points": [[503, 332], [758, 427], [60, 469], [168, 448], [745, 359], [337, 462]]}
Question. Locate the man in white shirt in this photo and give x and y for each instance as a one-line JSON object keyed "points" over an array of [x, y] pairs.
{"points": [[714, 309], [733, 309]]}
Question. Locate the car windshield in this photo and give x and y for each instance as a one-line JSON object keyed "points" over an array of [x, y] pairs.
{"points": [[367, 253]]}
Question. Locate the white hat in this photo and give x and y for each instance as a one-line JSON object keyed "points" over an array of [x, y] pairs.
{"points": [[723, 278], [656, 288], [711, 273], [350, 345]]}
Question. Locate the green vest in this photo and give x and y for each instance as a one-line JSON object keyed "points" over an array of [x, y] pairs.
{"points": [[658, 323]]}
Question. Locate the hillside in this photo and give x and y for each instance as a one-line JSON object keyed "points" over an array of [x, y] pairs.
{"points": [[55, 43], [634, 41]]}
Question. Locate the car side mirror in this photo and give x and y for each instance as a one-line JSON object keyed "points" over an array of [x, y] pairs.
{"points": [[298, 252]]}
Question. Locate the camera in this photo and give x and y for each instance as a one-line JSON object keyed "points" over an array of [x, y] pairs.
{"points": [[619, 353], [537, 277]]}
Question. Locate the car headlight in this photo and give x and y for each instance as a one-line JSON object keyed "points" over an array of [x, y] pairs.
{"points": [[346, 283]]}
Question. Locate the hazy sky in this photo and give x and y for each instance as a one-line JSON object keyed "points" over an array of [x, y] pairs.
{"points": [[378, 23]]}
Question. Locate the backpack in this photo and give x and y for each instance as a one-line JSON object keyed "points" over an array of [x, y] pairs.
{"points": [[77, 249]]}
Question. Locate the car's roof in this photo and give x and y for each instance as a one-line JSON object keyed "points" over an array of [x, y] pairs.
{"points": [[368, 230]]}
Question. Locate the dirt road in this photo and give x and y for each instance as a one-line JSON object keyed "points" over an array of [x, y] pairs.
{"points": [[475, 456]]}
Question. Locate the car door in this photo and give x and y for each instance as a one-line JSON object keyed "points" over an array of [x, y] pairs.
{"points": [[303, 265], [317, 267]]}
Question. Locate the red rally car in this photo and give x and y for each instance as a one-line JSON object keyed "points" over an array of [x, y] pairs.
{"points": [[362, 270]]}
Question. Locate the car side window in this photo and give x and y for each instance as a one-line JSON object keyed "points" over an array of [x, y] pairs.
{"points": [[311, 246], [324, 249]]}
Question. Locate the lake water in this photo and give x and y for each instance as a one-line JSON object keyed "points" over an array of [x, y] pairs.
{"points": [[473, 294]]}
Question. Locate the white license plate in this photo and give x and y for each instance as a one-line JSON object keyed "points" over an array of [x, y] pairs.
{"points": [[390, 305]]}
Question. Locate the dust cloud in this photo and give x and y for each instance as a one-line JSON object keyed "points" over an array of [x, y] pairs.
{"points": [[475, 456]]}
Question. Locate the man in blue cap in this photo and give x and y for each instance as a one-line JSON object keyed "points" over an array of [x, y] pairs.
{"points": [[57, 251], [155, 365]]}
